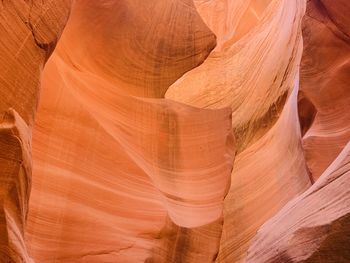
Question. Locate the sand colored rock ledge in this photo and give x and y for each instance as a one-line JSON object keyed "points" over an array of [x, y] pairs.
{"points": [[325, 81], [314, 227]]}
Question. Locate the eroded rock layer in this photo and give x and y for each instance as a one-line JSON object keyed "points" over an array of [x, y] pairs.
{"points": [[15, 164], [141, 163], [29, 31], [255, 71], [174, 131], [325, 95], [315, 226]]}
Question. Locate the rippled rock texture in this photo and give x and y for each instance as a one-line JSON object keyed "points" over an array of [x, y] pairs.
{"points": [[315, 226], [29, 31], [174, 131], [325, 81]]}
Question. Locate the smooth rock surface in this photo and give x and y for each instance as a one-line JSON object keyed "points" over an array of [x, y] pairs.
{"points": [[324, 82], [315, 226], [107, 146], [255, 72], [174, 131]]}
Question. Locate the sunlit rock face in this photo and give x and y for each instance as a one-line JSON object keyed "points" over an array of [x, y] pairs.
{"points": [[174, 131], [315, 226], [256, 74], [113, 160]]}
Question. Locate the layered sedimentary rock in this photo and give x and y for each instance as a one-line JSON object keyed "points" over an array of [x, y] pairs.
{"points": [[277, 180], [140, 47], [315, 226], [29, 31], [181, 244], [248, 75], [230, 20], [175, 131], [255, 72], [115, 163], [15, 164], [324, 99]]}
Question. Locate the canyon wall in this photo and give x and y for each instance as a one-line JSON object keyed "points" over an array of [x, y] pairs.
{"points": [[174, 131], [29, 31]]}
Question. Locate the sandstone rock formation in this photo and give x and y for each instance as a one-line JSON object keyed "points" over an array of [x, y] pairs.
{"points": [[136, 161], [256, 74], [315, 226], [325, 81], [174, 131], [29, 31], [15, 164]]}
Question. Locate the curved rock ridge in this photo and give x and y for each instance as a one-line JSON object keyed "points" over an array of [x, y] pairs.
{"points": [[89, 201], [325, 82], [181, 244], [315, 226], [107, 146], [174, 131], [255, 72], [178, 146], [29, 31], [277, 181], [252, 74], [140, 46], [15, 165], [230, 20]]}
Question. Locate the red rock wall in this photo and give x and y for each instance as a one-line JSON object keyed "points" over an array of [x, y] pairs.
{"points": [[314, 227], [138, 160], [325, 70], [174, 131], [29, 31]]}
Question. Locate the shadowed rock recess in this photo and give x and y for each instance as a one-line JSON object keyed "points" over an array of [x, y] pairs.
{"points": [[174, 131]]}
